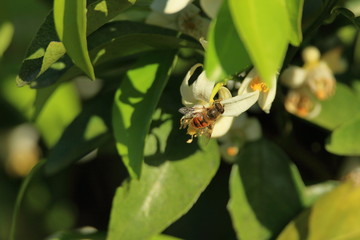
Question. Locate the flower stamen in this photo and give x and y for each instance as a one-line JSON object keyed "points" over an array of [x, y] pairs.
{"points": [[257, 84], [215, 91]]}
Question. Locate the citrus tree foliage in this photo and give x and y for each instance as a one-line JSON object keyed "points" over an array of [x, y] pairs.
{"points": [[302, 121]]}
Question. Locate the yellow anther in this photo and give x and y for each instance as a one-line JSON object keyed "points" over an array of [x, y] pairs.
{"points": [[232, 151], [257, 84]]}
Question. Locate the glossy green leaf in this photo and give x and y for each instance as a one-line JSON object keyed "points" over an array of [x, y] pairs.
{"points": [[294, 8], [345, 140], [338, 109], [172, 179], [264, 28], [6, 34], [226, 54], [134, 103], [115, 41], [20, 98], [20, 197], [70, 25], [89, 130], [335, 215], [266, 191], [35, 64], [58, 113]]}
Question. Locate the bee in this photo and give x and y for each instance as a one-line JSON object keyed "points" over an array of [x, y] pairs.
{"points": [[200, 121]]}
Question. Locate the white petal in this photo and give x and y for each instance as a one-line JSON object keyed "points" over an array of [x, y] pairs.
{"points": [[310, 55], [162, 20], [222, 126], [266, 99], [236, 105], [169, 6], [190, 22], [293, 76], [199, 92], [244, 87], [224, 93], [211, 7], [202, 88], [185, 90]]}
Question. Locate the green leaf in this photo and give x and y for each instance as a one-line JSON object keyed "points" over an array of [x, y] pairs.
{"points": [[6, 34], [89, 130], [58, 113], [134, 103], [331, 116], [335, 215], [226, 54], [78, 235], [20, 197], [164, 237], [345, 140], [264, 28], [70, 25], [172, 180], [114, 41], [35, 64], [295, 8], [266, 191]]}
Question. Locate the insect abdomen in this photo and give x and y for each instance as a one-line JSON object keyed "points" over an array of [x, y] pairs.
{"points": [[200, 122]]}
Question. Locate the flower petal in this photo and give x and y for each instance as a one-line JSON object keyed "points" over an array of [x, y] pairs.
{"points": [[222, 126], [236, 105], [186, 91], [293, 76], [244, 87], [310, 55], [169, 6], [190, 22], [224, 93], [202, 88], [266, 99], [211, 7]]}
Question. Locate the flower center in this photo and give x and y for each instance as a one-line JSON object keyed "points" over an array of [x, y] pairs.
{"points": [[257, 85], [232, 151]]}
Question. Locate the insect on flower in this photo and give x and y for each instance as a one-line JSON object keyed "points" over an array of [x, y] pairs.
{"points": [[200, 121]]}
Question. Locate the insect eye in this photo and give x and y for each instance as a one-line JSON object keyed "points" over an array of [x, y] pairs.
{"points": [[212, 113], [219, 107]]}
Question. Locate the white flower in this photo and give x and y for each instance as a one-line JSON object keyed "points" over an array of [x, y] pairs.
{"points": [[187, 21], [301, 102], [253, 84], [315, 74], [201, 94], [210, 7]]}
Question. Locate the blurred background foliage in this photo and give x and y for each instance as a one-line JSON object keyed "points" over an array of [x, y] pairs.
{"points": [[82, 195]]}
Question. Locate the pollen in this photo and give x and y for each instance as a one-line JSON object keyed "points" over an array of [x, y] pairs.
{"points": [[232, 151], [258, 84]]}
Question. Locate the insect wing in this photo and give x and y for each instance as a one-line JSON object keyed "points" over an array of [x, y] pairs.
{"points": [[186, 110]]}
